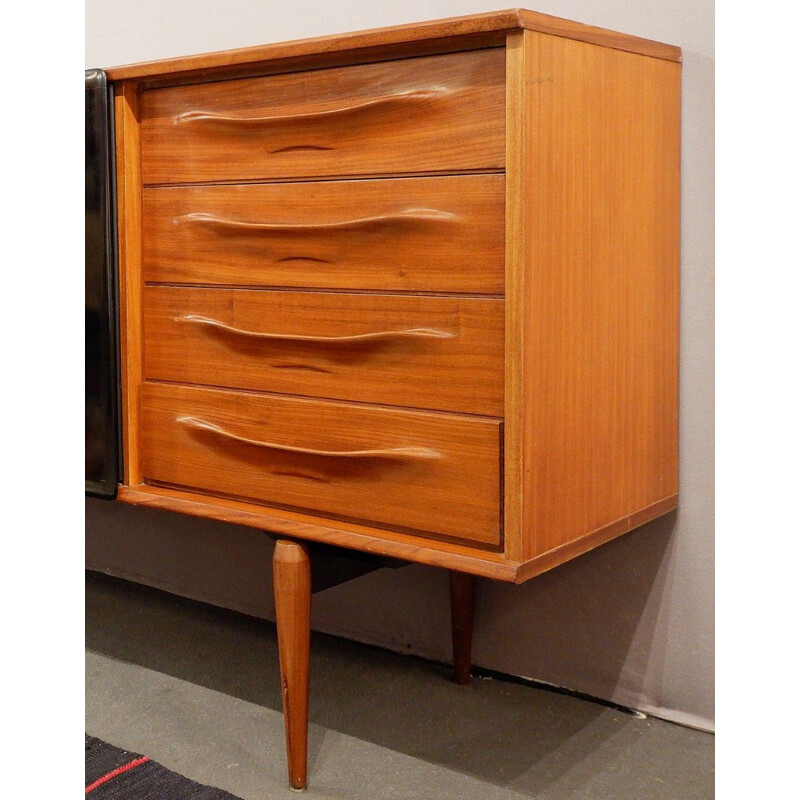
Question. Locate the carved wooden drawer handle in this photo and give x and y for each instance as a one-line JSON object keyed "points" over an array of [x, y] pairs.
{"points": [[282, 119], [409, 215], [388, 452], [410, 333]]}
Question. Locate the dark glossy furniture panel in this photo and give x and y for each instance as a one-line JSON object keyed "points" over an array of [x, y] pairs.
{"points": [[102, 427]]}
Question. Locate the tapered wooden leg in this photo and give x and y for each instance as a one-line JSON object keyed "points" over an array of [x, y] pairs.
{"points": [[292, 577], [462, 603]]}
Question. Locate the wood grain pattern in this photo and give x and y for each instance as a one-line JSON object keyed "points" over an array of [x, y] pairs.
{"points": [[395, 544], [129, 210], [581, 236], [469, 31], [570, 377], [517, 182], [449, 358], [588, 541], [291, 570], [420, 115], [451, 490], [404, 234], [329, 60], [600, 332], [580, 32], [315, 528]]}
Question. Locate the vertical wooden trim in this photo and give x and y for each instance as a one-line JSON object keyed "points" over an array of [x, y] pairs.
{"points": [[129, 215], [516, 178]]}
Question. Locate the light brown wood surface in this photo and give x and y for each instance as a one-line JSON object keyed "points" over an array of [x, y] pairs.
{"points": [[437, 234], [291, 571], [396, 544], [581, 212], [423, 307], [419, 115], [474, 559], [473, 30], [429, 472], [599, 293], [573, 548], [436, 353], [129, 223], [517, 184], [591, 34]]}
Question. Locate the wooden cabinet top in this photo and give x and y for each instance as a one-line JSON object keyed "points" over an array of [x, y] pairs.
{"points": [[474, 30]]}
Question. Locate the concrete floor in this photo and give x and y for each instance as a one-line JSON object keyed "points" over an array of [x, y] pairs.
{"points": [[196, 688]]}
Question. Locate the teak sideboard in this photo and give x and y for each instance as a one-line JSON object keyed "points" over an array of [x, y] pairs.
{"points": [[411, 292]]}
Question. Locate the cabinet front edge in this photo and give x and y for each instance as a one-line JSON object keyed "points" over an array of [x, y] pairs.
{"points": [[304, 526]]}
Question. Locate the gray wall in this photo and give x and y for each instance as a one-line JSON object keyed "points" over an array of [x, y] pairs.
{"points": [[632, 621]]}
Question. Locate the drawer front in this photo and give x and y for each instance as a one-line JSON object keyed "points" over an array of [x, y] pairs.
{"points": [[427, 352], [432, 473], [438, 113], [426, 234]]}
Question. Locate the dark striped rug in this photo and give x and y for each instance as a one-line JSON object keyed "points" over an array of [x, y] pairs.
{"points": [[114, 774]]}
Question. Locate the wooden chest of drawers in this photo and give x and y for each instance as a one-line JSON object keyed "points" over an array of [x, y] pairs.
{"points": [[412, 292]]}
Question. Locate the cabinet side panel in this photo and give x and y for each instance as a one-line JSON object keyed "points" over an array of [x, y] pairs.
{"points": [[601, 283], [129, 211]]}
